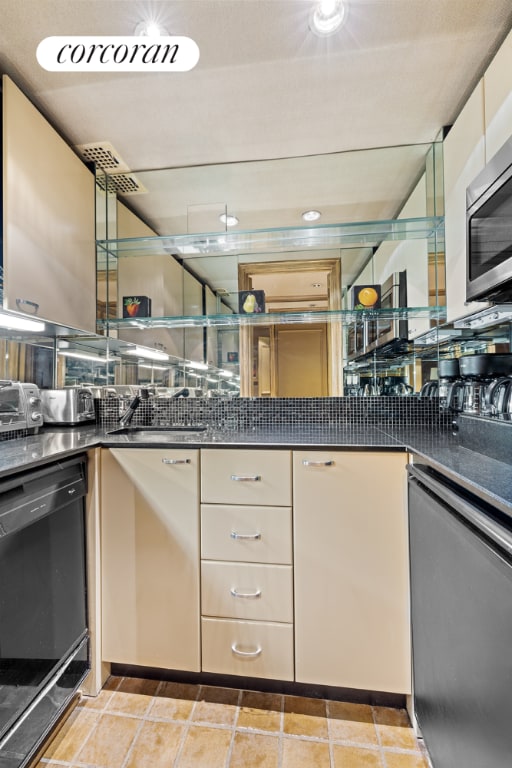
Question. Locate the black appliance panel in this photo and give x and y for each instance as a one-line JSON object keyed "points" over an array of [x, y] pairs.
{"points": [[461, 611], [43, 612]]}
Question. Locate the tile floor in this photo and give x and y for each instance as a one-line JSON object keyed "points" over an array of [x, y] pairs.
{"points": [[137, 723]]}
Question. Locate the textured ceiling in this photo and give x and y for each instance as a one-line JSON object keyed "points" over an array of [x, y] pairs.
{"points": [[265, 86]]}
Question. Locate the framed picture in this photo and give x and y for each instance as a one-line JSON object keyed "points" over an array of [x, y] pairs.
{"points": [[366, 297], [251, 302], [136, 306], [232, 357]]}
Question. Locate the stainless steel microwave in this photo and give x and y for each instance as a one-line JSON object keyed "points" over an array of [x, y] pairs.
{"points": [[489, 230]]}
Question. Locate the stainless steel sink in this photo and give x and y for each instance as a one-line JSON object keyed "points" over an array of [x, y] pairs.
{"points": [[160, 432]]}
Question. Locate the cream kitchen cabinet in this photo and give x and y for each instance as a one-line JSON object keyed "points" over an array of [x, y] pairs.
{"points": [[246, 566], [351, 570], [464, 158], [160, 277], [49, 252], [150, 557]]}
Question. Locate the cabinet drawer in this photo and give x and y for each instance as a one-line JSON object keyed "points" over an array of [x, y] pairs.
{"points": [[247, 591], [248, 648], [246, 534], [246, 477]]}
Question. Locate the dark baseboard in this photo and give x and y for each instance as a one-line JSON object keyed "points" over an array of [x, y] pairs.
{"points": [[333, 693]]}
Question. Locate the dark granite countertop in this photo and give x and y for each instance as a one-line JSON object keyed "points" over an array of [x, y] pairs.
{"points": [[486, 476]]}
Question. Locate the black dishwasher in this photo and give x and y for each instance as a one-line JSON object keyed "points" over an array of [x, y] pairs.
{"points": [[461, 612], [43, 617]]}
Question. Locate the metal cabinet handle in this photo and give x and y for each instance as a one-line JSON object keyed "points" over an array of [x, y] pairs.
{"points": [[308, 463], [175, 461], [253, 536], [246, 654], [245, 478], [248, 595], [34, 306]]}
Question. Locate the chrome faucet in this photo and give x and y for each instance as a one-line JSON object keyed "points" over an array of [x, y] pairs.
{"points": [[132, 407]]}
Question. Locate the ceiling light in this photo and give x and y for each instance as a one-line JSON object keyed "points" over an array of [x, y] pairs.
{"points": [[311, 215], [227, 374], [150, 28], [326, 17], [197, 366], [20, 323], [150, 354], [153, 367], [228, 219], [83, 356]]}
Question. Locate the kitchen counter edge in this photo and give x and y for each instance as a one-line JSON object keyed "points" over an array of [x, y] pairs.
{"points": [[486, 477]]}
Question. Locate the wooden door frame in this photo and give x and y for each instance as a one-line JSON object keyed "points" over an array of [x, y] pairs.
{"points": [[334, 334]]}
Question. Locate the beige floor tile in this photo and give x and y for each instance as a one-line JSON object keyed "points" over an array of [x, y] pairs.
{"points": [[138, 685], [391, 716], [351, 722], [261, 711], [71, 737], [254, 750], [156, 746], [402, 760], [216, 705], [394, 728], [298, 753], [133, 696], [109, 742], [129, 703], [305, 717], [174, 701], [98, 702], [355, 757], [205, 748]]}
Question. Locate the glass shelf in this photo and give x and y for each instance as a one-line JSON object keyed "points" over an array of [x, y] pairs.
{"points": [[277, 240], [272, 318]]}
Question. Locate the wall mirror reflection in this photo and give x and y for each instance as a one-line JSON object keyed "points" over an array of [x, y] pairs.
{"points": [[186, 243]]}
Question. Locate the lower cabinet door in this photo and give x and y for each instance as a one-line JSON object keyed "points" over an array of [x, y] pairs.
{"points": [[248, 648], [150, 558], [247, 591]]}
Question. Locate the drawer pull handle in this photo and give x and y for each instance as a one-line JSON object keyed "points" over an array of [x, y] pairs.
{"points": [[246, 654], [246, 478], [252, 536], [175, 461], [248, 595], [308, 463]]}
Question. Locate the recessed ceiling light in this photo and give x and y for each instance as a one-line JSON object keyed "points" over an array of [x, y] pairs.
{"points": [[327, 16], [311, 215], [150, 28], [228, 219]]}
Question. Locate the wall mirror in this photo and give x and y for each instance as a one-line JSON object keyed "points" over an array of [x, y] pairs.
{"points": [[166, 235]]}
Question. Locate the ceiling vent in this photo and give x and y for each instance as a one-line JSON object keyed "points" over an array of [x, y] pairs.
{"points": [[119, 179]]}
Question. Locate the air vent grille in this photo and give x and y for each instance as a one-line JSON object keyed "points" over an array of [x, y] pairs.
{"points": [[104, 155], [121, 183], [119, 178]]}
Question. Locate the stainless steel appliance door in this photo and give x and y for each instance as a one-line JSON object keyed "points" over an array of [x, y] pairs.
{"points": [[489, 229], [461, 609]]}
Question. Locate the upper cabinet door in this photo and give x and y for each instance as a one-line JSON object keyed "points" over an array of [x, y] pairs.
{"points": [[498, 99], [48, 219]]}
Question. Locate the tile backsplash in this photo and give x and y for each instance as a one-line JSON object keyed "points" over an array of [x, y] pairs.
{"points": [[241, 414]]}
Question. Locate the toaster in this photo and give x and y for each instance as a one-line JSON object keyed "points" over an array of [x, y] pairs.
{"points": [[71, 405]]}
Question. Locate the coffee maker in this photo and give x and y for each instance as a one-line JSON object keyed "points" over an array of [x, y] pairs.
{"points": [[450, 385]]}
